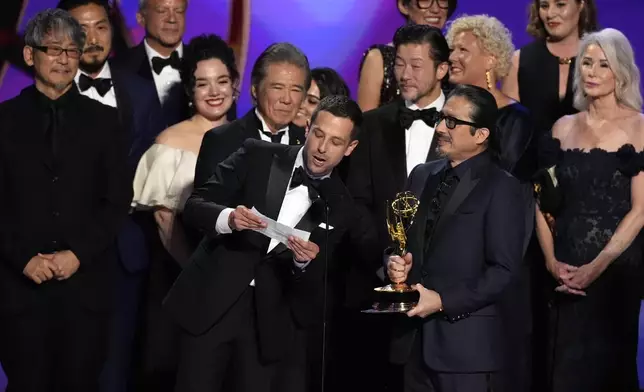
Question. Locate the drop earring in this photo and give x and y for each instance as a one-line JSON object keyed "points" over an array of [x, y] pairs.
{"points": [[488, 79]]}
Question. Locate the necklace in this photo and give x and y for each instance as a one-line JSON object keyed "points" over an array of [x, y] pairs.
{"points": [[565, 60]]}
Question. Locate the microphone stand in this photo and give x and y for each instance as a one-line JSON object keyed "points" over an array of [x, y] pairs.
{"points": [[324, 302]]}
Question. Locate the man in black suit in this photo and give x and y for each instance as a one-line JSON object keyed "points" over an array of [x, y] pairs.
{"points": [[66, 193], [138, 113], [398, 136], [157, 59], [279, 81], [465, 247], [246, 302]]}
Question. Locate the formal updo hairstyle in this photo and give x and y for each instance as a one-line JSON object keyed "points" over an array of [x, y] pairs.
{"points": [[587, 19], [206, 47], [493, 37], [329, 82]]}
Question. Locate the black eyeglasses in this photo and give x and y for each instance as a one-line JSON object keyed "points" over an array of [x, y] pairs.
{"points": [[452, 122], [424, 4], [55, 51]]}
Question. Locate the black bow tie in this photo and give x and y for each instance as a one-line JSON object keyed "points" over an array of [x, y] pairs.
{"points": [[408, 116], [102, 85], [158, 63], [301, 178], [275, 137]]}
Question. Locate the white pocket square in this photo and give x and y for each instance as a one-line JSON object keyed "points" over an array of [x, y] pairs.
{"points": [[324, 226]]}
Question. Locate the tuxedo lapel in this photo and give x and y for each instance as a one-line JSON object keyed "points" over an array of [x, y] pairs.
{"points": [[124, 103], [394, 138], [251, 126], [278, 179], [417, 235], [145, 71], [433, 154], [295, 135]]}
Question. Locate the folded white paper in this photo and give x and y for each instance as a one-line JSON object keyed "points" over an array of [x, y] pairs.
{"points": [[278, 231]]}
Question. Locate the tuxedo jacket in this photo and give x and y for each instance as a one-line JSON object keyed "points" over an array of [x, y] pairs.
{"points": [[140, 117], [378, 166], [220, 142], [471, 258], [175, 108], [74, 199], [223, 266]]}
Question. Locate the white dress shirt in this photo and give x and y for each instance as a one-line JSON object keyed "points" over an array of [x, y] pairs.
{"points": [[265, 128], [168, 76], [295, 204], [109, 98], [418, 137]]}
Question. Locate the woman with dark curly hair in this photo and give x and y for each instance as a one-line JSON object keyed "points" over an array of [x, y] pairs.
{"points": [[163, 181], [377, 84], [540, 77]]}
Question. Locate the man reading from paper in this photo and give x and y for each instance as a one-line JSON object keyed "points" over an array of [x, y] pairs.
{"points": [[246, 301]]}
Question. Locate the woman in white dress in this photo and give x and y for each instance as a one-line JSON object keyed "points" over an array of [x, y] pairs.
{"points": [[163, 181], [165, 173]]}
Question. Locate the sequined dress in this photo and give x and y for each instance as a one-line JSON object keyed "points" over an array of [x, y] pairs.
{"points": [[593, 339], [389, 89]]}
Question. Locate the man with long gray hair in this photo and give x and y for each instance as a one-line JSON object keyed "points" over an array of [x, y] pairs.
{"points": [[65, 191]]}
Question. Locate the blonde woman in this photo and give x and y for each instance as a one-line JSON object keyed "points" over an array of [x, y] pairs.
{"points": [[592, 254], [481, 56]]}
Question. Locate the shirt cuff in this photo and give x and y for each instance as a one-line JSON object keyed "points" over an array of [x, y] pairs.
{"points": [[299, 265], [221, 227]]}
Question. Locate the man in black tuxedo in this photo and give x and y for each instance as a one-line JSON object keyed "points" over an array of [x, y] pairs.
{"points": [[398, 136], [279, 81], [138, 113], [465, 247], [66, 192], [246, 302], [157, 59]]}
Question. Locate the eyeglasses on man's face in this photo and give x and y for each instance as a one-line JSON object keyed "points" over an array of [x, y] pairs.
{"points": [[55, 51], [452, 122]]}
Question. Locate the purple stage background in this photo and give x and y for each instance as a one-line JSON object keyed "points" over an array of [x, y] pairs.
{"points": [[334, 33]]}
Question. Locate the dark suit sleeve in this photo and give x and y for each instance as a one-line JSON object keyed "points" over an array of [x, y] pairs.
{"points": [[215, 147], [92, 238], [504, 239], [219, 192]]}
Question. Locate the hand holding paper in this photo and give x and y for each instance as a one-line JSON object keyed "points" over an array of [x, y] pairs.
{"points": [[276, 230]]}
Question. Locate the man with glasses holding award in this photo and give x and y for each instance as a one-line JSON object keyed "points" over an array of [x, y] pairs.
{"points": [[462, 250], [65, 193]]}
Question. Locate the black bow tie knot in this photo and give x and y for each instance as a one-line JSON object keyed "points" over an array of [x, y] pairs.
{"points": [[301, 178], [408, 116], [102, 85], [158, 63]]}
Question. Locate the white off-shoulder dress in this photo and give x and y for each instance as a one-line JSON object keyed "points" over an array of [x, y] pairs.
{"points": [[163, 182]]}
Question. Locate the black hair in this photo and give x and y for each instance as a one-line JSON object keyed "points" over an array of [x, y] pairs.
{"points": [[451, 6], [423, 34], [206, 47], [329, 82], [341, 106], [282, 52], [69, 5], [484, 111]]}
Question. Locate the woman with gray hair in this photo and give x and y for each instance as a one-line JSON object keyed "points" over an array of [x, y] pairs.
{"points": [[481, 56], [590, 248]]}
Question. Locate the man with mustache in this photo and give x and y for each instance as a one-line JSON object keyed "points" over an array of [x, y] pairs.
{"points": [[139, 115], [466, 247], [157, 58], [279, 81], [398, 136], [247, 303], [63, 169]]}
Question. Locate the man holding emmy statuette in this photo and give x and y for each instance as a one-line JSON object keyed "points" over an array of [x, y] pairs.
{"points": [[462, 250], [247, 302]]}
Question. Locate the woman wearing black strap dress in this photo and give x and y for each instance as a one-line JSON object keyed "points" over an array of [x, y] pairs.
{"points": [[540, 76], [377, 85], [591, 246]]}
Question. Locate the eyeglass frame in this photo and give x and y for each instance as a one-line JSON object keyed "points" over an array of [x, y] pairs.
{"points": [[431, 3], [46, 49], [440, 117]]}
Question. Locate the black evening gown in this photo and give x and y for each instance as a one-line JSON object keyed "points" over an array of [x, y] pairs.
{"points": [[539, 86], [593, 340], [515, 127], [389, 89]]}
